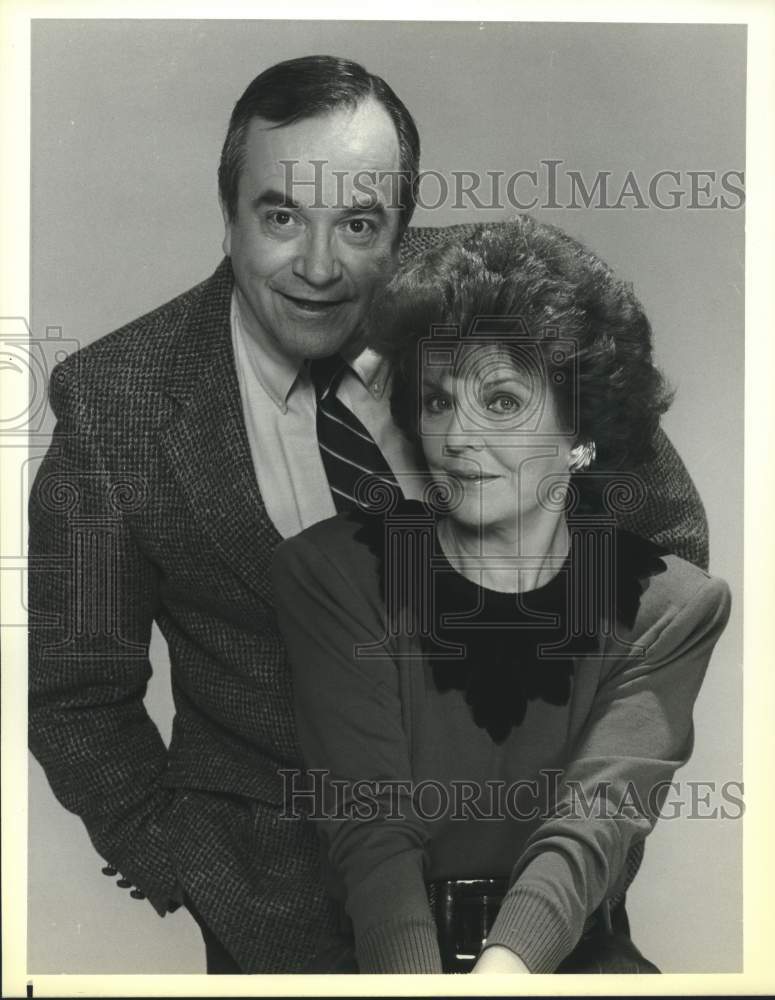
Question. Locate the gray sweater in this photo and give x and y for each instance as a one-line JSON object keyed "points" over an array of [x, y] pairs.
{"points": [[424, 779]]}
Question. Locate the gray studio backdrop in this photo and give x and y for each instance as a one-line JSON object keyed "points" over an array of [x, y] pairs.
{"points": [[127, 122]]}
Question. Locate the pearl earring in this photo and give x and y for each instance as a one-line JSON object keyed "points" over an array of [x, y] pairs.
{"points": [[581, 456]]}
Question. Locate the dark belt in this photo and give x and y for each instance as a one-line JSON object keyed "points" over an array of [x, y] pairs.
{"points": [[465, 910]]}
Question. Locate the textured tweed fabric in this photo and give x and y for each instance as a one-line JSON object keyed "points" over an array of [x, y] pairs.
{"points": [[146, 509]]}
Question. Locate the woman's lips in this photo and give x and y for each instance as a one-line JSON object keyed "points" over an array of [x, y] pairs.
{"points": [[471, 477]]}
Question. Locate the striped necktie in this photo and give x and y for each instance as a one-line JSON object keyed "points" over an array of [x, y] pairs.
{"points": [[348, 450]]}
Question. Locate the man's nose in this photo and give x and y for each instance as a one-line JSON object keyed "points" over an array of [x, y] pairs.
{"points": [[318, 262]]}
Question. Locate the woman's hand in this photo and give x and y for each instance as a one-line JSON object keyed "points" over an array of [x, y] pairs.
{"points": [[498, 958]]}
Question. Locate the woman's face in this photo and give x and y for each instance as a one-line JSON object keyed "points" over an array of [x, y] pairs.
{"points": [[491, 429]]}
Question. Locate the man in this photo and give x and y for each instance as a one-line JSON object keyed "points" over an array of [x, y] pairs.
{"points": [[187, 444]]}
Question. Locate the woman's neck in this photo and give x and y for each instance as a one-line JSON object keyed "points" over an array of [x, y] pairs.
{"points": [[507, 560]]}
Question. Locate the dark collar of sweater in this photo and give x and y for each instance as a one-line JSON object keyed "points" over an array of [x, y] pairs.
{"points": [[515, 647]]}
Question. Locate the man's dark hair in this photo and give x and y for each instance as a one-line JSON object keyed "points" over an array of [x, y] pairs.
{"points": [[547, 283], [303, 88]]}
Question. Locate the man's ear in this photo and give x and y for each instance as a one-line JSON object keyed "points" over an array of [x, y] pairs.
{"points": [[226, 227]]}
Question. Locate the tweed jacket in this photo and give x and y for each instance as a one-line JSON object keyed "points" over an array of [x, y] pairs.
{"points": [[146, 509]]}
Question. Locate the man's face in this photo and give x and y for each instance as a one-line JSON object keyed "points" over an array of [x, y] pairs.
{"points": [[308, 248]]}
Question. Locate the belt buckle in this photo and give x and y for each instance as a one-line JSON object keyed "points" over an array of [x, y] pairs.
{"points": [[466, 910]]}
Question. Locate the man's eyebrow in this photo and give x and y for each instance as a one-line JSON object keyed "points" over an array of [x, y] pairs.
{"points": [[275, 198], [368, 205]]}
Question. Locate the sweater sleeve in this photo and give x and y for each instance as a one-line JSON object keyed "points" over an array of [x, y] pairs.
{"points": [[349, 719], [638, 733]]}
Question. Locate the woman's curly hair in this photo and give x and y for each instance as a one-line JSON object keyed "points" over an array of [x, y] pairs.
{"points": [[537, 274]]}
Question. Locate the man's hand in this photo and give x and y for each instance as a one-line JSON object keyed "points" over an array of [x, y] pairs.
{"points": [[498, 958]]}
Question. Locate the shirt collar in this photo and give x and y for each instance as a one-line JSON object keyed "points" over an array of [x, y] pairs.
{"points": [[371, 368], [278, 374]]}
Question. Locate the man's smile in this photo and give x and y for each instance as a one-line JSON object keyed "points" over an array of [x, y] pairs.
{"points": [[312, 305]]}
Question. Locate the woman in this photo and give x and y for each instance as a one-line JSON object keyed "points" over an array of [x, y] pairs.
{"points": [[494, 687]]}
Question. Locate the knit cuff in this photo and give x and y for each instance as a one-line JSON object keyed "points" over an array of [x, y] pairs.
{"points": [[530, 926], [399, 946]]}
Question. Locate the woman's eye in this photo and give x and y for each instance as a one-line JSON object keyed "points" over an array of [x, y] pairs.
{"points": [[504, 403], [436, 404]]}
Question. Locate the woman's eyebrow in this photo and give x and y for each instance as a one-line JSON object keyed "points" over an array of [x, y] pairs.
{"points": [[523, 380]]}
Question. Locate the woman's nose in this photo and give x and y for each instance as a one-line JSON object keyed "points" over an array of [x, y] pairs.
{"points": [[459, 444], [461, 433]]}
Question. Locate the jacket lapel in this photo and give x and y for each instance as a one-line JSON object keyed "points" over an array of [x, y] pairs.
{"points": [[206, 442]]}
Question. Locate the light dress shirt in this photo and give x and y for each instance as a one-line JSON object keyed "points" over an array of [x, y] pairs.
{"points": [[279, 406]]}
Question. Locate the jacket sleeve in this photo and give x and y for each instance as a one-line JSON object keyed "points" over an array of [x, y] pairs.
{"points": [[349, 717], [91, 602], [672, 514], [638, 733]]}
